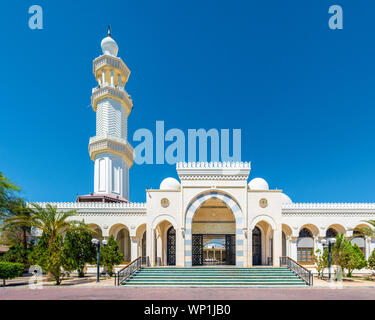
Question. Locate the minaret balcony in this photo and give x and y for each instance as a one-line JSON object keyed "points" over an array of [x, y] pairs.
{"points": [[111, 62], [107, 91], [111, 144]]}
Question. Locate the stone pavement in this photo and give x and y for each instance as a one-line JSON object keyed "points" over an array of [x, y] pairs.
{"points": [[123, 293]]}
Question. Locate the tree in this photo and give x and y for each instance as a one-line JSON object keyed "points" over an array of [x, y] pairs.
{"points": [[321, 261], [371, 260], [9, 270], [110, 255], [16, 227], [52, 223], [54, 262], [357, 260], [78, 249], [39, 255], [7, 189], [17, 254], [341, 252]]}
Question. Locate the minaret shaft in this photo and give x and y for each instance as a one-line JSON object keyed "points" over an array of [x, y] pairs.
{"points": [[110, 149]]}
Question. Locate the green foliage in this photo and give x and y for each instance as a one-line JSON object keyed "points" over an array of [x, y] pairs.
{"points": [[7, 189], [347, 256], [17, 254], [39, 255], [357, 260], [10, 270], [110, 255], [371, 260], [78, 249], [321, 261], [54, 262]]}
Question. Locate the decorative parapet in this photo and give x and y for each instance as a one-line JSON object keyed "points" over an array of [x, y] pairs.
{"points": [[213, 170], [99, 208], [112, 144], [346, 209], [116, 93], [111, 61]]}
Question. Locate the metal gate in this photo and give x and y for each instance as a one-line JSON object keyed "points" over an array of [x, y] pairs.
{"points": [[171, 247], [197, 249], [230, 249], [257, 246]]}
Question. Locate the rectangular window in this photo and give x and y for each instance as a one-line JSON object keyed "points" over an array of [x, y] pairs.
{"points": [[305, 255]]}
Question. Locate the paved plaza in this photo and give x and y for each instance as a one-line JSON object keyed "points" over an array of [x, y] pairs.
{"points": [[121, 293]]}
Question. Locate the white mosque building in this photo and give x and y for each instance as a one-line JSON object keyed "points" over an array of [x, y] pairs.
{"points": [[213, 215]]}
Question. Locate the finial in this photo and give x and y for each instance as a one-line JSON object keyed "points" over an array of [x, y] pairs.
{"points": [[109, 31]]}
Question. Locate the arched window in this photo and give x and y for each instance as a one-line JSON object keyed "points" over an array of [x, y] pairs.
{"points": [[331, 233], [359, 240], [305, 247]]}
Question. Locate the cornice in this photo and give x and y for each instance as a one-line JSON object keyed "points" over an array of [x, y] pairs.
{"points": [[329, 209], [213, 170], [107, 91], [111, 144], [115, 62]]}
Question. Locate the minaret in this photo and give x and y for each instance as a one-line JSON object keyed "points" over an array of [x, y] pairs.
{"points": [[110, 149]]}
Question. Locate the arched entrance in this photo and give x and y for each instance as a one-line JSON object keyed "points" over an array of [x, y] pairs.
{"points": [[213, 234], [257, 246], [196, 242], [171, 246]]}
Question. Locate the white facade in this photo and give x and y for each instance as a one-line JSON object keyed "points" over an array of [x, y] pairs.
{"points": [[209, 200]]}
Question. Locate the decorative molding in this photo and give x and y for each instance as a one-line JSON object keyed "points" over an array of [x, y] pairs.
{"points": [[100, 208], [329, 209], [107, 91], [111, 61], [213, 170]]}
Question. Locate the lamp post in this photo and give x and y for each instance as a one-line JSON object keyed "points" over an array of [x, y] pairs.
{"points": [[97, 243], [330, 242]]}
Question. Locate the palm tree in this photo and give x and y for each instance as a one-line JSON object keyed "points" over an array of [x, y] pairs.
{"points": [[51, 221], [6, 192], [17, 223]]}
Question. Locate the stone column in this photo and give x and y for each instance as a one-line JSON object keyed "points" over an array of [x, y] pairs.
{"points": [[277, 246], [250, 248], [150, 245], [180, 249], [134, 248], [293, 247]]}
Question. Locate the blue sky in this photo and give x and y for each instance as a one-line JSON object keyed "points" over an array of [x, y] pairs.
{"points": [[302, 94]]}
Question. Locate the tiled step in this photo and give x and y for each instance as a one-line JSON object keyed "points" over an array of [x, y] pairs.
{"points": [[213, 277]]}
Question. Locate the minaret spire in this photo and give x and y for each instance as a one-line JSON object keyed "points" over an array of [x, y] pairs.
{"points": [[109, 31]]}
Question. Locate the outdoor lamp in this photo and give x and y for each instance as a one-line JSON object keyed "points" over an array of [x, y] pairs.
{"points": [[330, 242], [97, 243]]}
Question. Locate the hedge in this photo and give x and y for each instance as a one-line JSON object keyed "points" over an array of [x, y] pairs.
{"points": [[10, 270]]}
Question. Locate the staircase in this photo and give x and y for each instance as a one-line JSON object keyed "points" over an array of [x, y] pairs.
{"points": [[213, 277]]}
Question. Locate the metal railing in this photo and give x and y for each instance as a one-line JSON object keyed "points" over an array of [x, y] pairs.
{"points": [[130, 269], [300, 271]]}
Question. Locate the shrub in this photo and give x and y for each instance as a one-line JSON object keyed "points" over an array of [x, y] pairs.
{"points": [[78, 249], [371, 260], [10, 270], [110, 255]]}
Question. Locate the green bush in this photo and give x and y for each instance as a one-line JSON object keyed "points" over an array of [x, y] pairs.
{"points": [[10, 270], [110, 255], [17, 254], [371, 260], [78, 249]]}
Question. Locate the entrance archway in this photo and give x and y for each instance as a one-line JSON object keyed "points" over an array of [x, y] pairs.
{"points": [[257, 246], [213, 234], [239, 224]]}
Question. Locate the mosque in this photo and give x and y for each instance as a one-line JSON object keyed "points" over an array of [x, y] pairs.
{"points": [[213, 215]]}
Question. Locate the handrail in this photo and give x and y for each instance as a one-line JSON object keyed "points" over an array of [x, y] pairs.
{"points": [[305, 274], [130, 269]]}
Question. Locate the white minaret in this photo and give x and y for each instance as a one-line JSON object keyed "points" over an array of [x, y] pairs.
{"points": [[110, 149]]}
